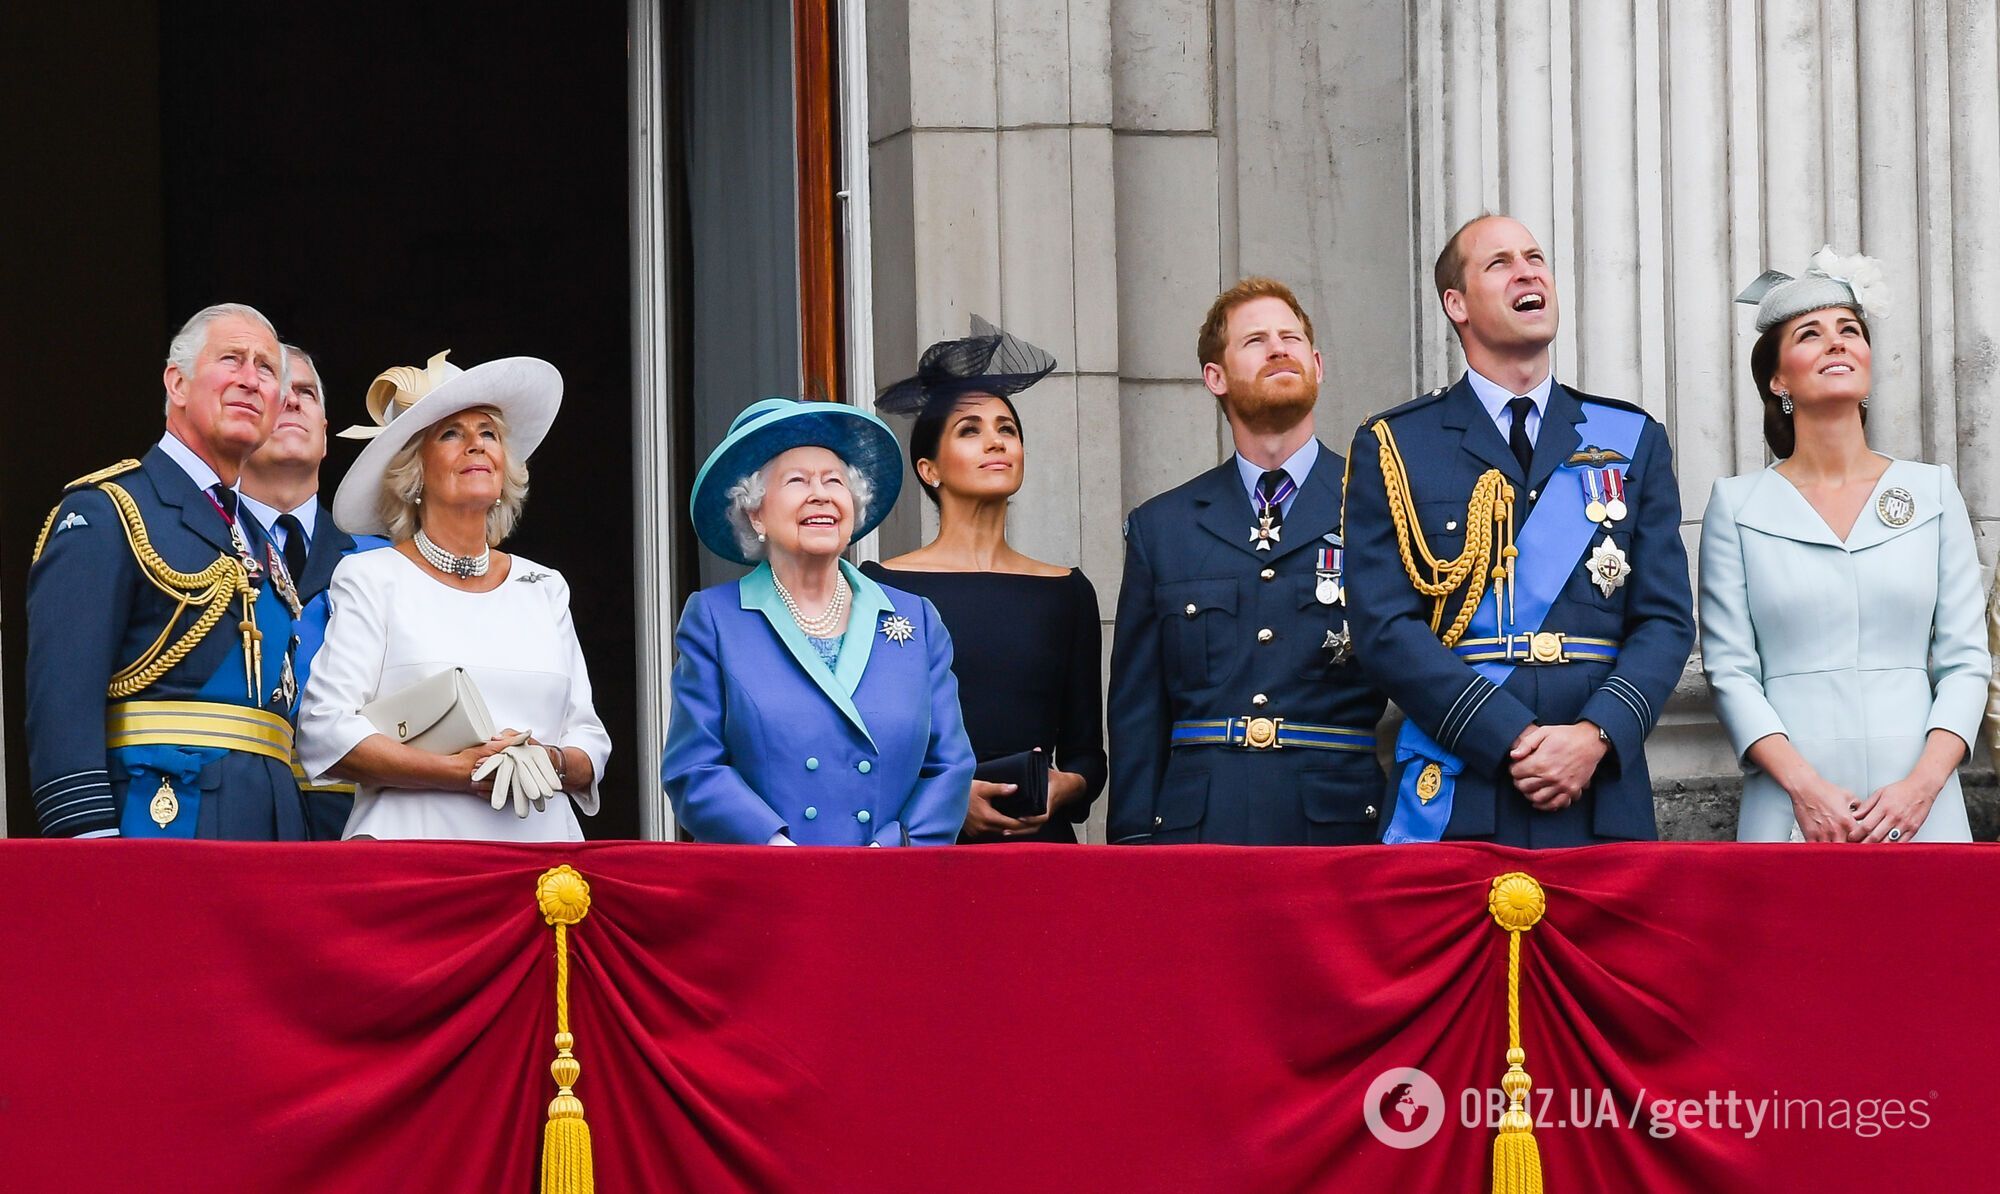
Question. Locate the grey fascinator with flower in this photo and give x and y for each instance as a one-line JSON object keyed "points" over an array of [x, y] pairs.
{"points": [[1830, 280]]}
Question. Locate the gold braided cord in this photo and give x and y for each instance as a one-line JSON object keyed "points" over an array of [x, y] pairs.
{"points": [[563, 896], [212, 587], [1517, 904], [42, 539], [1489, 523]]}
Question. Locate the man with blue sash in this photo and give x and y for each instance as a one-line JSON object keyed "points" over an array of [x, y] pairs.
{"points": [[281, 488], [1521, 585], [160, 615], [1236, 713]]}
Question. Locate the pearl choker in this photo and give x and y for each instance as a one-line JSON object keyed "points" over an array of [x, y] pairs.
{"points": [[463, 567]]}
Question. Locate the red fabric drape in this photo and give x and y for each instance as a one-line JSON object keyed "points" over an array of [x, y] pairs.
{"points": [[378, 1016]]}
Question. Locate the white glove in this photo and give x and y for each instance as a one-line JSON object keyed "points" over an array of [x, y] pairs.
{"points": [[523, 775]]}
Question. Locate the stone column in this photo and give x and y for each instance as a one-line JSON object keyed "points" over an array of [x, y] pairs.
{"points": [[991, 177]]}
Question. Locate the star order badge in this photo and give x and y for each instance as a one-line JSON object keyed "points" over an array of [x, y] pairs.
{"points": [[898, 629], [1608, 566]]}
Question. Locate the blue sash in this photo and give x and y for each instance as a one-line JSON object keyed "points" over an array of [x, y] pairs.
{"points": [[180, 767], [1551, 542]]}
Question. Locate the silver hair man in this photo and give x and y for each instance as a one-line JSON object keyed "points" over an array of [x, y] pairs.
{"points": [[193, 337]]}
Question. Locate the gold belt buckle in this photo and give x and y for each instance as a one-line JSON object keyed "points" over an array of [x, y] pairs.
{"points": [[1546, 646], [1261, 733]]}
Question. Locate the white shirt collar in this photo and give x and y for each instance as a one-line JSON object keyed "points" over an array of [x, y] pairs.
{"points": [[1495, 397], [1296, 467], [307, 514], [195, 467]]}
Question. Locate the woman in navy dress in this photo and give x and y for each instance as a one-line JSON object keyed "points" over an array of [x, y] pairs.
{"points": [[1026, 635]]}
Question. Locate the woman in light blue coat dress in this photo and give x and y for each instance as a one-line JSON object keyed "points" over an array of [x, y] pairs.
{"points": [[1842, 622], [811, 705]]}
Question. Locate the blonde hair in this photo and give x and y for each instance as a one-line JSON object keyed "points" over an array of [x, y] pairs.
{"points": [[403, 486]]}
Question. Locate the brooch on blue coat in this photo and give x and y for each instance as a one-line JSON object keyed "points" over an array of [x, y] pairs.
{"points": [[897, 628]]}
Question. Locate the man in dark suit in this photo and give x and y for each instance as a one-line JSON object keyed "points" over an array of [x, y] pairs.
{"points": [[281, 488], [160, 681], [1236, 714], [1520, 582]]}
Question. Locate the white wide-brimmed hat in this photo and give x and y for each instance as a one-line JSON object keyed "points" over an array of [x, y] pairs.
{"points": [[405, 401]]}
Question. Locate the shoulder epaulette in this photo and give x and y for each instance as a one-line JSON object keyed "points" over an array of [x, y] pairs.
{"points": [[1419, 401], [101, 475], [1620, 403]]}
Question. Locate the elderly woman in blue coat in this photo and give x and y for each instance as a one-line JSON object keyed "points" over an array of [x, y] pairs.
{"points": [[811, 705]]}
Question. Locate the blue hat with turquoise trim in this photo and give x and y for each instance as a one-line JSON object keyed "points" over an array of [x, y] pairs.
{"points": [[774, 426]]}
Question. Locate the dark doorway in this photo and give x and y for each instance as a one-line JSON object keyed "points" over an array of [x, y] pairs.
{"points": [[383, 183]]}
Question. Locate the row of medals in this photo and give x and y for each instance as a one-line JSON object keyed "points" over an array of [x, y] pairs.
{"points": [[165, 805], [1327, 589], [1604, 505]]}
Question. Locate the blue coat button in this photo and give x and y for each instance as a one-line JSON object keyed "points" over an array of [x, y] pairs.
{"points": [[864, 766], [812, 764], [862, 816], [811, 812]]}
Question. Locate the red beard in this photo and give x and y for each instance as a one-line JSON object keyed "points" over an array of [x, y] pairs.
{"points": [[1267, 406]]}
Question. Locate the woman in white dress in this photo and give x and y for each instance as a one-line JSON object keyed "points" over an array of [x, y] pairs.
{"points": [[444, 479], [1841, 616]]}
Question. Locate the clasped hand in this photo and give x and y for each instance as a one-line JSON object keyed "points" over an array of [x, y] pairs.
{"points": [[514, 767], [1552, 765]]}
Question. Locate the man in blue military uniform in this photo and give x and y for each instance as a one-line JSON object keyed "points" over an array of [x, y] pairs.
{"points": [[1521, 586], [160, 680], [1236, 714], [280, 487]]}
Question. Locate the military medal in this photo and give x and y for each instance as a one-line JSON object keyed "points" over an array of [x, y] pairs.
{"points": [[1614, 508], [1608, 566], [165, 805], [1264, 534], [283, 578], [288, 683], [243, 552], [1270, 508], [1326, 577], [1896, 507], [1430, 781], [1593, 493]]}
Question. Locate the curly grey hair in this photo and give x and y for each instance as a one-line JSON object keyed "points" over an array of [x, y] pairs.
{"points": [[403, 486], [746, 497]]}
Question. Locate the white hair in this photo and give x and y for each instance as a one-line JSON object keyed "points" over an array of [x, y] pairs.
{"points": [[193, 337], [747, 496]]}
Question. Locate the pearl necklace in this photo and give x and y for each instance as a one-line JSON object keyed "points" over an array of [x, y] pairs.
{"points": [[463, 567], [829, 618]]}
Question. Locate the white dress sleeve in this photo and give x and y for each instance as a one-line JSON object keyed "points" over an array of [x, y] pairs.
{"points": [[581, 727], [347, 672]]}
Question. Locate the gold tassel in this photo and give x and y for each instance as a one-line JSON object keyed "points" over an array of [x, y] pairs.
{"points": [[1517, 903], [564, 899]]}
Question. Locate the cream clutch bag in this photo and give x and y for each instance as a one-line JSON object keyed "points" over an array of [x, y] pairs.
{"points": [[443, 714]]}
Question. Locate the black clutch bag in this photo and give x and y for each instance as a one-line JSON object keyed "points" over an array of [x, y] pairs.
{"points": [[1029, 772]]}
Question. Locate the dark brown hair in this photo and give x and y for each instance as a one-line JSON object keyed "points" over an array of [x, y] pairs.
{"points": [[1778, 430], [1215, 329], [929, 431]]}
